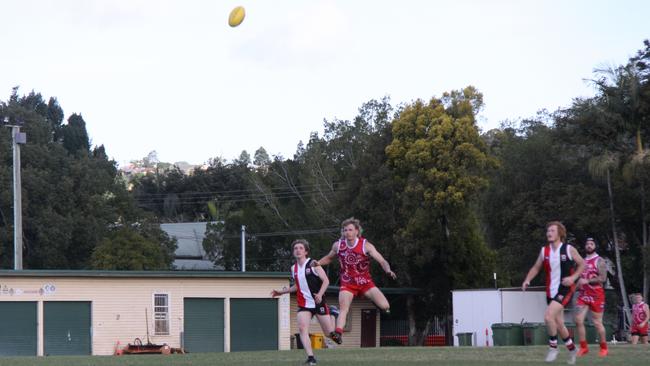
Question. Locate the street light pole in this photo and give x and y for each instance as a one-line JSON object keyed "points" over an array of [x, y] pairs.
{"points": [[18, 138], [243, 248]]}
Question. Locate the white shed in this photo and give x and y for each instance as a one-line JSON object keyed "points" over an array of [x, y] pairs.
{"points": [[476, 310]]}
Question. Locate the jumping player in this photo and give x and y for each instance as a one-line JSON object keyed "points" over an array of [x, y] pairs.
{"points": [[563, 266], [640, 316], [591, 297], [354, 253], [310, 284]]}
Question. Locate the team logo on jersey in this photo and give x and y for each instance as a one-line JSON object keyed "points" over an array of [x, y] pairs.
{"points": [[560, 297], [308, 271], [563, 257]]}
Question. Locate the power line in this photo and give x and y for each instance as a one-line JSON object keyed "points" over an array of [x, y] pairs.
{"points": [[238, 196], [190, 200], [274, 233], [240, 190]]}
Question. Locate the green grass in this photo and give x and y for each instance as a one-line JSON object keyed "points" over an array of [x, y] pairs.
{"points": [[501, 356]]}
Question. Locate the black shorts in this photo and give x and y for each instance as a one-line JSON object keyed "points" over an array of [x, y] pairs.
{"points": [[563, 296], [320, 309]]}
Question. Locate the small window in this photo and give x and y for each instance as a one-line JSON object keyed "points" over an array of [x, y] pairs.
{"points": [[161, 314]]}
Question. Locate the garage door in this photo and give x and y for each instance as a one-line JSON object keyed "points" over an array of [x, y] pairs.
{"points": [[18, 333], [203, 325], [66, 327], [253, 324]]}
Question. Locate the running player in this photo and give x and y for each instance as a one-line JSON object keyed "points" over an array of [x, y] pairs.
{"points": [[563, 266], [640, 316], [591, 297], [354, 253], [310, 284]]}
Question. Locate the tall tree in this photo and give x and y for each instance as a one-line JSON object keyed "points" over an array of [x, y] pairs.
{"points": [[441, 163]]}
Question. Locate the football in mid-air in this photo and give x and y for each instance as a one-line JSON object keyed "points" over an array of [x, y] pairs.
{"points": [[236, 16]]}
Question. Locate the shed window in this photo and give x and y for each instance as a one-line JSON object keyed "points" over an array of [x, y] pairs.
{"points": [[161, 314]]}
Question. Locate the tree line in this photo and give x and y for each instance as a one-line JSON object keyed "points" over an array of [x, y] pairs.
{"points": [[446, 203]]}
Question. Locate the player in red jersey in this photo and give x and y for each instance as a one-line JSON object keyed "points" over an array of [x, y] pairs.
{"points": [[354, 253], [310, 284], [640, 316], [591, 297], [563, 266]]}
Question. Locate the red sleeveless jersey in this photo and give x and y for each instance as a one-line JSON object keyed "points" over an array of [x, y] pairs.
{"points": [[355, 263], [591, 271], [638, 313]]}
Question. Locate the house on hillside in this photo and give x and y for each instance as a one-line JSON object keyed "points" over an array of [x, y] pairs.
{"points": [[190, 255]]}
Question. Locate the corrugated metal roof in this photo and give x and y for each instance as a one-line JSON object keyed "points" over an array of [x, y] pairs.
{"points": [[195, 264], [189, 236]]}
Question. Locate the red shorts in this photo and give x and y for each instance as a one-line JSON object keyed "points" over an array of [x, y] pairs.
{"points": [[595, 302], [638, 331], [358, 290]]}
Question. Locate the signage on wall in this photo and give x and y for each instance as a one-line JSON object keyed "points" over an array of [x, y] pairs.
{"points": [[47, 289]]}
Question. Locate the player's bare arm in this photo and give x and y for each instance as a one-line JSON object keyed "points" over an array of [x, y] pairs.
{"points": [[602, 273], [580, 266], [532, 273], [600, 279], [328, 258], [323, 287], [290, 290], [372, 251]]}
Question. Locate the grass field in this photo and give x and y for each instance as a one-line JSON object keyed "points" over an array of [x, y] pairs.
{"points": [[502, 356]]}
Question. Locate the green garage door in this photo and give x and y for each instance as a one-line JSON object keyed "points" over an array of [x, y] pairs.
{"points": [[253, 324], [18, 333], [203, 325], [66, 327]]}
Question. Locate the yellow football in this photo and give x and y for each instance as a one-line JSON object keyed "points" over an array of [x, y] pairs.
{"points": [[236, 16]]}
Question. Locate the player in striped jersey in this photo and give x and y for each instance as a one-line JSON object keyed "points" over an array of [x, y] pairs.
{"points": [[563, 266], [309, 285]]}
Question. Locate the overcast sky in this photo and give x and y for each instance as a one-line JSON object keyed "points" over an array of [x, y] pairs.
{"points": [[172, 76]]}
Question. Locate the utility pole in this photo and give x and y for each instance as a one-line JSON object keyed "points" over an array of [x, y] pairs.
{"points": [[243, 248], [18, 138]]}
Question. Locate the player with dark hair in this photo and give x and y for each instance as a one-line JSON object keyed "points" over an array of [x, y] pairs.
{"points": [[591, 297], [563, 266]]}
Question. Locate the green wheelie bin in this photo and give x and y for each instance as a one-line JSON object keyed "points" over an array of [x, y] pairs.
{"points": [[465, 339], [535, 334], [507, 334]]}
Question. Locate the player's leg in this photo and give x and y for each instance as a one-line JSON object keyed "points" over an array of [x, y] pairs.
{"points": [[345, 300], [643, 339], [326, 323], [597, 318], [580, 315], [378, 298], [563, 332], [551, 329], [304, 318], [550, 316], [634, 339]]}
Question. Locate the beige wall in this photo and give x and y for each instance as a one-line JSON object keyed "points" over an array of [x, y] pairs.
{"points": [[351, 339], [118, 304]]}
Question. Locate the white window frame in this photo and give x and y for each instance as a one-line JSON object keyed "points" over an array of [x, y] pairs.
{"points": [[154, 313]]}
